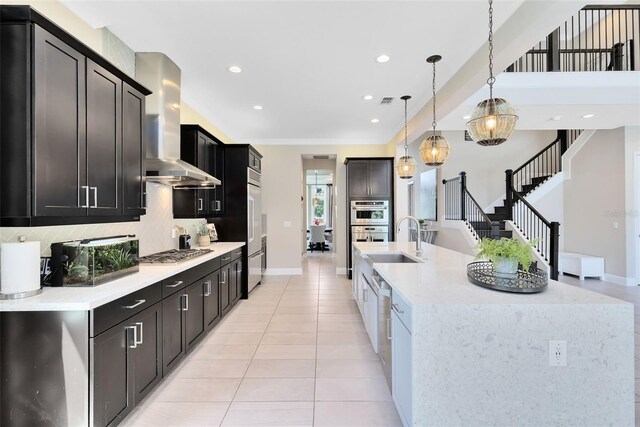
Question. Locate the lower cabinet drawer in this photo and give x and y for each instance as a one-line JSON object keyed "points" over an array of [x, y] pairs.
{"points": [[108, 315]]}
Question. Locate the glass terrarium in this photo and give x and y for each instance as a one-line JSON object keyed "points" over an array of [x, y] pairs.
{"points": [[96, 261]]}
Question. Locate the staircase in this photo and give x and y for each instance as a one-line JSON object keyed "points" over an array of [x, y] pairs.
{"points": [[460, 204]]}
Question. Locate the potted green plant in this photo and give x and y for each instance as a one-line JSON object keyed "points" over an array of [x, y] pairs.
{"points": [[506, 254], [202, 231]]}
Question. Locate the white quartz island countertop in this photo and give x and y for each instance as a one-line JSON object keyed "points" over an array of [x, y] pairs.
{"points": [[88, 298], [482, 357]]}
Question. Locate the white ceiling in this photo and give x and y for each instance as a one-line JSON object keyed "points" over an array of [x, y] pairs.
{"points": [[308, 63]]}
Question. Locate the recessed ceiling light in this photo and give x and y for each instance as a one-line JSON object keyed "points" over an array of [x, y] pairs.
{"points": [[374, 120], [467, 117], [235, 69], [257, 107], [555, 118], [383, 58], [588, 116], [367, 97]]}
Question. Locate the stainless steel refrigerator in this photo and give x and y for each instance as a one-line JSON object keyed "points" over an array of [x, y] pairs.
{"points": [[254, 231]]}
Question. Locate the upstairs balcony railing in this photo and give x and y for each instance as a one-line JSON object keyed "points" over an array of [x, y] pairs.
{"points": [[597, 38]]}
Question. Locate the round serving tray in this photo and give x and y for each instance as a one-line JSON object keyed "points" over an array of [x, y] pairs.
{"points": [[481, 273]]}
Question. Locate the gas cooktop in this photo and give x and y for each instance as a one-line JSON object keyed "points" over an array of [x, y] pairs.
{"points": [[173, 256]]}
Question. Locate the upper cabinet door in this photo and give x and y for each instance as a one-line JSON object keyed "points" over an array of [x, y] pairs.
{"points": [[380, 178], [133, 151], [358, 177], [104, 140], [59, 125]]}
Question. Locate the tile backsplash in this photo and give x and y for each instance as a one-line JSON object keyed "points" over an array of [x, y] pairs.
{"points": [[153, 230]]}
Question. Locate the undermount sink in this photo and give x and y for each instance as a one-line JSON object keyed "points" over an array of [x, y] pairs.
{"points": [[391, 258]]}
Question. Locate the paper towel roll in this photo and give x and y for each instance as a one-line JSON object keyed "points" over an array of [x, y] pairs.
{"points": [[19, 267]]}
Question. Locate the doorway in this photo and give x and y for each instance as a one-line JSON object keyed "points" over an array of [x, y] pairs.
{"points": [[319, 203]]}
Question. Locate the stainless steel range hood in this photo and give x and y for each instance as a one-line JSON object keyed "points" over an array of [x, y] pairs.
{"points": [[161, 75]]}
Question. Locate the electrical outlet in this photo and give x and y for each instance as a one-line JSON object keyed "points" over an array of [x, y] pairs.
{"points": [[557, 353], [173, 233]]}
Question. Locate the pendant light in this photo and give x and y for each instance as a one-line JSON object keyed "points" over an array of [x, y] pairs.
{"points": [[434, 150], [493, 120], [406, 166]]}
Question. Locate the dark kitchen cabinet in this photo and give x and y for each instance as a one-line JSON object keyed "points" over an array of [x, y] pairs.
{"points": [[66, 127], [194, 313], [104, 141], [59, 129], [126, 365], [237, 265], [206, 152], [369, 178], [212, 314], [133, 151], [225, 289], [173, 331]]}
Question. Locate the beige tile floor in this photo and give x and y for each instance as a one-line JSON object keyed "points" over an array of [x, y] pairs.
{"points": [[294, 354]]}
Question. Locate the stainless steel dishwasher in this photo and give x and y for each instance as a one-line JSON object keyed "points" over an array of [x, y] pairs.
{"points": [[384, 325]]}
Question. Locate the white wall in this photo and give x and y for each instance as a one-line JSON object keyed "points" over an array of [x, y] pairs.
{"points": [[594, 202], [632, 202], [281, 200]]}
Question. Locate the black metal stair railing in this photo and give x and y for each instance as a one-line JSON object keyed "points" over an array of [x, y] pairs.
{"points": [[544, 164], [461, 205], [534, 227], [597, 38]]}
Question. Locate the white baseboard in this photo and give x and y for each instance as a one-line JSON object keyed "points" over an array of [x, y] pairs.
{"points": [[341, 271], [283, 272], [620, 280]]}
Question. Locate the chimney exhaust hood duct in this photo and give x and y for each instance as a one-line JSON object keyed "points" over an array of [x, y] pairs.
{"points": [[161, 75]]}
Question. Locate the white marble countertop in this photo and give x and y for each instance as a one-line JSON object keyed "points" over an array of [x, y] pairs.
{"points": [[442, 279], [88, 298]]}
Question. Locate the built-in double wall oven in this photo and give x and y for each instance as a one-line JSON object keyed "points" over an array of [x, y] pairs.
{"points": [[369, 220]]}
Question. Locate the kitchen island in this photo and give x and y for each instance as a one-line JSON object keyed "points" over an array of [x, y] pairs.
{"points": [[466, 355]]}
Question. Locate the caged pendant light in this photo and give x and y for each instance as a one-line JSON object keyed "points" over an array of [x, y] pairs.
{"points": [[406, 166], [493, 120], [434, 150]]}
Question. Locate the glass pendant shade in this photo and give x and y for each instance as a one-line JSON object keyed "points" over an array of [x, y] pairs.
{"points": [[492, 122], [434, 150], [406, 167]]}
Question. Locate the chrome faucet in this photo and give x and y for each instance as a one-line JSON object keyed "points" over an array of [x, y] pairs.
{"points": [[418, 240]]}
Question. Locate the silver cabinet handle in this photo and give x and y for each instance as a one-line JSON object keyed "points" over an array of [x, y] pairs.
{"points": [[395, 307], [175, 284], [238, 253], [239, 267], [225, 259], [95, 197], [224, 277], [218, 205], [200, 207], [186, 302], [86, 196], [141, 333], [137, 303], [389, 337], [135, 336], [207, 291]]}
